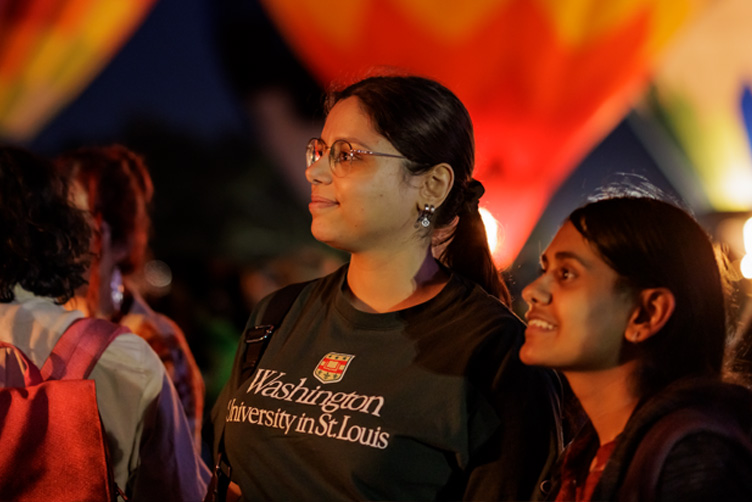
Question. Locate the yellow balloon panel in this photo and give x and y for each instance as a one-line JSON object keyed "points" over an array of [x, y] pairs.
{"points": [[449, 20], [699, 86], [581, 22], [50, 50]]}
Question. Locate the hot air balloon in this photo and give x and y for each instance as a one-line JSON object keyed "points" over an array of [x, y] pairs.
{"points": [[543, 80]]}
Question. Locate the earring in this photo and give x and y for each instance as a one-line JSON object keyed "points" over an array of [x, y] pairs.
{"points": [[117, 289], [424, 218]]}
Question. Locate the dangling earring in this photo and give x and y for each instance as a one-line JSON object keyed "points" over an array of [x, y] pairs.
{"points": [[424, 218], [117, 289]]}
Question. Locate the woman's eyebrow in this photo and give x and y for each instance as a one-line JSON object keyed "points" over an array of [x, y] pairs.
{"points": [[570, 255]]}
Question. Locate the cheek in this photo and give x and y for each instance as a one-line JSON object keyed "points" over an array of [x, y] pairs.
{"points": [[375, 197], [605, 330], [582, 322], [381, 198]]}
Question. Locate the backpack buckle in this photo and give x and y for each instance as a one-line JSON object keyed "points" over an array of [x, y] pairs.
{"points": [[258, 333]]}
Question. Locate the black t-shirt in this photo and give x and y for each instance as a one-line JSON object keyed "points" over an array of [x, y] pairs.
{"points": [[426, 403]]}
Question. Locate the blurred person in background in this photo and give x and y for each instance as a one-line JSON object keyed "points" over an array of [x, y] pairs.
{"points": [[114, 185], [45, 249]]}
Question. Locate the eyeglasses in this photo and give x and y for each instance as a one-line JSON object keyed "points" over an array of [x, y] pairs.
{"points": [[341, 155]]}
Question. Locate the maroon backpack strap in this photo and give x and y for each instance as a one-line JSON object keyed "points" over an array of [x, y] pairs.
{"points": [[79, 348]]}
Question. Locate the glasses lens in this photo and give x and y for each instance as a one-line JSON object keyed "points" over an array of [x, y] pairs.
{"points": [[313, 151], [340, 157]]}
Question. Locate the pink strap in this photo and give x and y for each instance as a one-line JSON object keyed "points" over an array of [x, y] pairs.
{"points": [[17, 370], [79, 348]]}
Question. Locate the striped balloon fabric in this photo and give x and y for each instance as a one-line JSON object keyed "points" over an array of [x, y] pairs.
{"points": [[544, 80], [50, 50]]}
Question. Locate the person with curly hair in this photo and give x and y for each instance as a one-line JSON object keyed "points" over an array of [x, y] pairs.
{"points": [[44, 255]]}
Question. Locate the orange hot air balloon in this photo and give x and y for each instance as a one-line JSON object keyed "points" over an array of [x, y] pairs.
{"points": [[50, 50], [543, 79]]}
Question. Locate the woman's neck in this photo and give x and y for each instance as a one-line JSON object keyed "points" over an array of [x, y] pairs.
{"points": [[606, 397], [394, 282]]}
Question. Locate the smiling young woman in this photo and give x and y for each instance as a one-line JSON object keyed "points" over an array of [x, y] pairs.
{"points": [[629, 306], [419, 353]]}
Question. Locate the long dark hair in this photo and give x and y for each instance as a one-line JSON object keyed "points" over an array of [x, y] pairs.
{"points": [[652, 243], [429, 125], [45, 239]]}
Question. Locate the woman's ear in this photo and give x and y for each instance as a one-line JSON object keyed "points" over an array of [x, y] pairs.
{"points": [[437, 183], [652, 312]]}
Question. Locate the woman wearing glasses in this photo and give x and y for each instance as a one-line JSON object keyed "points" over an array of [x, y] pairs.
{"points": [[629, 306], [397, 376]]}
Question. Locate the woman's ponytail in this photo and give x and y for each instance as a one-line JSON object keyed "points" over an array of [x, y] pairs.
{"points": [[467, 251]]}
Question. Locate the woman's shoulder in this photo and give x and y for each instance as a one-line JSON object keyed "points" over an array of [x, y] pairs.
{"points": [[130, 356], [464, 295], [320, 288], [707, 465], [687, 434], [719, 401], [468, 323], [701, 463]]}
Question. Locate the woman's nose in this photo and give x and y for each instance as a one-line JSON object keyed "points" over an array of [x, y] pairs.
{"points": [[537, 292], [319, 172]]}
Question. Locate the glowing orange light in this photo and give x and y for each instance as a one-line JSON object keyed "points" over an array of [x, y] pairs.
{"points": [[492, 230], [746, 264]]}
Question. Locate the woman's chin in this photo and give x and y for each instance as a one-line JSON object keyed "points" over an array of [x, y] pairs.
{"points": [[528, 354]]}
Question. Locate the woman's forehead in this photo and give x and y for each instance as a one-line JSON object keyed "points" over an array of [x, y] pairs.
{"points": [[570, 244], [348, 120]]}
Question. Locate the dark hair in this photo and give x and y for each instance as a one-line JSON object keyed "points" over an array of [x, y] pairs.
{"points": [[119, 189], [429, 125], [652, 243], [45, 239]]}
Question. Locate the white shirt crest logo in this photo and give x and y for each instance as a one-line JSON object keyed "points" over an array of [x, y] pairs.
{"points": [[332, 367]]}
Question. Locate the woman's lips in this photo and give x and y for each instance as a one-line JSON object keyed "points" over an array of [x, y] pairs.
{"points": [[320, 203]]}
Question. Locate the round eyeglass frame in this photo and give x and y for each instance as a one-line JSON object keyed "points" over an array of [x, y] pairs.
{"points": [[339, 167]]}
